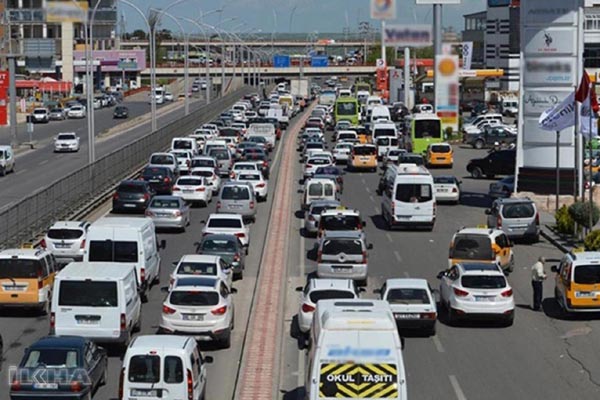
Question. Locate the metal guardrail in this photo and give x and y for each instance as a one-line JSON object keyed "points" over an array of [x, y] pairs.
{"points": [[64, 197]]}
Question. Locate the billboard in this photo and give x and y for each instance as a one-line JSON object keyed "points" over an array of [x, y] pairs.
{"points": [[319, 61], [3, 97], [446, 90], [281, 61], [66, 11], [112, 60], [552, 41], [383, 9], [408, 35], [420, 2]]}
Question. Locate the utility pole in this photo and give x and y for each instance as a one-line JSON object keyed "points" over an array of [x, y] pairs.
{"points": [[437, 29]]}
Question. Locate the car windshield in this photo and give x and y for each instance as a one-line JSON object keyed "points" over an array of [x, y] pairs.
{"points": [[193, 298], [235, 193], [346, 246], [65, 234], [39, 111], [407, 296], [444, 180], [66, 136], [113, 251], [87, 294], [165, 203], [202, 163], [483, 282], [518, 210], [440, 148], [364, 151], [472, 247], [224, 223], [144, 369], [219, 245], [341, 222], [328, 294], [189, 182], [52, 358], [17, 268], [587, 274], [413, 192], [162, 159], [205, 173]]}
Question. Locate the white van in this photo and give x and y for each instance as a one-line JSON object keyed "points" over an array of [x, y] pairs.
{"points": [[159, 95], [185, 143], [127, 241], [214, 144], [265, 130], [409, 200], [163, 367], [98, 301], [380, 129], [354, 352], [322, 189], [380, 113]]}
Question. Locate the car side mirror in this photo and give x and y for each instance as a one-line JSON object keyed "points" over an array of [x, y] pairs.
{"points": [[299, 289], [164, 289], [370, 246], [441, 274], [203, 221], [208, 360], [554, 268], [488, 212]]}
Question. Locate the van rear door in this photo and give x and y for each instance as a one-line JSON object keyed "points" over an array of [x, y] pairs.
{"points": [[414, 200]]}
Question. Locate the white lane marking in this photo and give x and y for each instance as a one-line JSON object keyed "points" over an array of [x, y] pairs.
{"points": [[389, 237], [438, 344], [457, 390], [377, 210], [20, 171], [372, 198], [363, 181], [406, 274], [397, 255], [43, 162], [367, 189]]}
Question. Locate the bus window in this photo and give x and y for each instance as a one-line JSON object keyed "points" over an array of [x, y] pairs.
{"points": [[427, 128]]}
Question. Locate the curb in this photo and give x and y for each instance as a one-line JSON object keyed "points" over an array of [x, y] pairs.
{"points": [[553, 241]]}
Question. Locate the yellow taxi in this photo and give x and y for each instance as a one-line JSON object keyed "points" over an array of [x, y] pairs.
{"points": [[439, 155], [364, 135], [577, 282], [481, 245], [26, 278], [364, 157]]}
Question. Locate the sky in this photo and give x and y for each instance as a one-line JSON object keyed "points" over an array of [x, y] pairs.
{"points": [[295, 15]]}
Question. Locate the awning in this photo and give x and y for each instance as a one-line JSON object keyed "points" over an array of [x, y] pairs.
{"points": [[53, 86]]}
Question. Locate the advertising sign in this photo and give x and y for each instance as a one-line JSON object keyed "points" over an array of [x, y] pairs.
{"points": [[536, 102], [281, 61], [551, 41], [383, 9], [66, 11], [419, 2], [446, 90], [3, 97], [549, 12], [368, 380], [550, 71], [319, 61], [408, 35]]}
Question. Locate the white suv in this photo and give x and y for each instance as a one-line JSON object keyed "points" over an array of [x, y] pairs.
{"points": [[66, 240]]}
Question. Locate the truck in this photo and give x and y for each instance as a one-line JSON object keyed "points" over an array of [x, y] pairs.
{"points": [[299, 88], [327, 97]]}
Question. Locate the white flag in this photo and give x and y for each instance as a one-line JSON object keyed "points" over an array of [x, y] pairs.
{"points": [[467, 53], [560, 117]]}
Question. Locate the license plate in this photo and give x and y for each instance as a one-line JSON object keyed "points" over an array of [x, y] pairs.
{"points": [[585, 294], [45, 385], [62, 245], [188, 191], [129, 205], [87, 322], [144, 392], [406, 316], [193, 317], [235, 206], [403, 217], [484, 298], [442, 190], [14, 288], [440, 158]]}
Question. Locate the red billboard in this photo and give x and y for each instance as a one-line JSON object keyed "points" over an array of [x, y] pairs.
{"points": [[3, 97]]}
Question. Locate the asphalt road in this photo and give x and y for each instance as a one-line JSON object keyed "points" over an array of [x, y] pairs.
{"points": [[19, 330], [542, 356], [41, 166]]}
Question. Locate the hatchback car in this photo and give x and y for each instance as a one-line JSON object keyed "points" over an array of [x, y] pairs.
{"points": [[132, 196], [254, 178], [167, 160], [439, 155], [314, 162], [341, 220], [66, 240], [229, 248], [59, 367], [193, 189], [518, 218], [481, 245], [412, 302], [169, 212], [312, 216], [342, 151], [201, 307], [322, 289], [68, 141], [121, 112], [210, 175], [201, 265], [184, 159], [343, 255], [243, 166], [238, 198], [478, 290], [447, 188], [224, 159], [76, 111], [232, 224], [160, 179], [57, 114], [503, 188]]}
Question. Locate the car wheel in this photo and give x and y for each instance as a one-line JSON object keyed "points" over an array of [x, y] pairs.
{"points": [[508, 321], [431, 331], [2, 172], [104, 375], [138, 325], [225, 343], [452, 317], [476, 173], [479, 144], [363, 282]]}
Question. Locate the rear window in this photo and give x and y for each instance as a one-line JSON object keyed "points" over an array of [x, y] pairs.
{"points": [[53, 358], [173, 369], [314, 145], [413, 192], [384, 132], [109, 251], [249, 177], [407, 296], [245, 167], [587, 274], [162, 159], [161, 203], [202, 163], [128, 188], [65, 234], [189, 182], [519, 210], [224, 223], [19, 268], [194, 298], [182, 144], [317, 295], [144, 369], [219, 245], [418, 160], [347, 246], [483, 282], [341, 222], [235, 193], [364, 151], [472, 247], [319, 209], [87, 294], [197, 268], [440, 148]]}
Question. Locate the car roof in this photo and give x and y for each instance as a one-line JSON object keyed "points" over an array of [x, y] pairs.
{"points": [[69, 224], [410, 283], [342, 235], [586, 256], [322, 203], [167, 197], [224, 216], [133, 182], [161, 342], [345, 211], [23, 253], [477, 231], [199, 257], [195, 281], [478, 268], [60, 342], [514, 201], [322, 284], [101, 271]]}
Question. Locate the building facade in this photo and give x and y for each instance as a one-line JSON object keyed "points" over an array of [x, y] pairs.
{"points": [[502, 43], [474, 31]]}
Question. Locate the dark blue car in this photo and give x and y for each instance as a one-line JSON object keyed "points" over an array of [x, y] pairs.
{"points": [[55, 367]]}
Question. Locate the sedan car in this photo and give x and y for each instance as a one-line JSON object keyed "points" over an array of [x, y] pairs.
{"points": [[132, 196], [201, 265], [121, 112], [341, 152], [76, 111], [412, 302], [40, 114], [447, 188], [193, 189], [232, 224], [57, 114], [478, 290], [169, 212], [160, 179], [503, 188], [66, 142], [59, 367], [229, 248]]}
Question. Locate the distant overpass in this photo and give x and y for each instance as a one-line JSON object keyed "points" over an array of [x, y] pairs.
{"points": [[265, 71], [131, 44]]}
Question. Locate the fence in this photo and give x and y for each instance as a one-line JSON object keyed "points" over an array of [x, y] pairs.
{"points": [[64, 197]]}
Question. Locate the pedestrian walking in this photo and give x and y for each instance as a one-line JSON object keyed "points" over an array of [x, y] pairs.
{"points": [[538, 275]]}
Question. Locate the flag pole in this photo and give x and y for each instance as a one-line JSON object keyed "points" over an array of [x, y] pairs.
{"points": [[557, 169]]}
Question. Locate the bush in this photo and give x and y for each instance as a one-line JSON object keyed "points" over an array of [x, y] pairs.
{"points": [[592, 241], [448, 132], [564, 222], [580, 212]]}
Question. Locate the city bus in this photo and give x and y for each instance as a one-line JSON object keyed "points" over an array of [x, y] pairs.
{"points": [[361, 86], [347, 109], [425, 129]]}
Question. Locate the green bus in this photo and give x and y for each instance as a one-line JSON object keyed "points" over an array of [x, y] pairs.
{"points": [[348, 109], [425, 129], [361, 86]]}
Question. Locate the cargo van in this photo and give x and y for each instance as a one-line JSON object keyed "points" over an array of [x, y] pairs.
{"points": [[409, 199], [265, 130], [354, 351], [322, 189], [98, 301], [185, 143], [380, 113], [127, 241]]}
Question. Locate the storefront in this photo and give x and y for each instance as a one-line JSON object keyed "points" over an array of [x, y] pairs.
{"points": [[117, 69]]}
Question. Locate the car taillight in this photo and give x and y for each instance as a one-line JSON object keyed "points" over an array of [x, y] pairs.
{"points": [[507, 293], [200, 189], [148, 213], [15, 385], [82, 245], [76, 386], [311, 218], [236, 257], [168, 310], [319, 256], [499, 222], [308, 165], [307, 308], [116, 196], [460, 293], [146, 196], [177, 213], [121, 383], [218, 205], [43, 243], [454, 190], [260, 185], [167, 180], [252, 205], [143, 275], [52, 320], [123, 324], [364, 254], [537, 218], [176, 188], [190, 385], [265, 164], [232, 175], [219, 311], [240, 235], [429, 315]]}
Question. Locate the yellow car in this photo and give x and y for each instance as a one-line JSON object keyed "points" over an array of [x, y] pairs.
{"points": [[364, 157], [439, 155], [481, 245], [578, 282]]}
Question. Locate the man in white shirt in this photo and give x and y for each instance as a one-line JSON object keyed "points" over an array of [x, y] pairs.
{"points": [[538, 275]]}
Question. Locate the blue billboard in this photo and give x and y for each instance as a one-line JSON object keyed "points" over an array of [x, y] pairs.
{"points": [[319, 61], [499, 3], [281, 61]]}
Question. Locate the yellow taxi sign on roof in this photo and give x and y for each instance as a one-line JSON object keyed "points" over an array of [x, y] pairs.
{"points": [[482, 226], [340, 208], [28, 245], [579, 250]]}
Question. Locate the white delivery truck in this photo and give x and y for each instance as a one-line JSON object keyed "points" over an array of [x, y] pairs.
{"points": [[299, 88], [280, 113], [354, 352], [265, 130], [327, 97]]}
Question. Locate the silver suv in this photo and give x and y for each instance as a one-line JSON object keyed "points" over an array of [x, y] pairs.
{"points": [[237, 198], [343, 254], [518, 218]]}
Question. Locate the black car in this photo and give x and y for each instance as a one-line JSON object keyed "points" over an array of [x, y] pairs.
{"points": [[500, 162], [229, 248], [132, 196], [60, 367], [261, 157], [160, 179], [121, 112], [490, 136], [398, 111]]}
